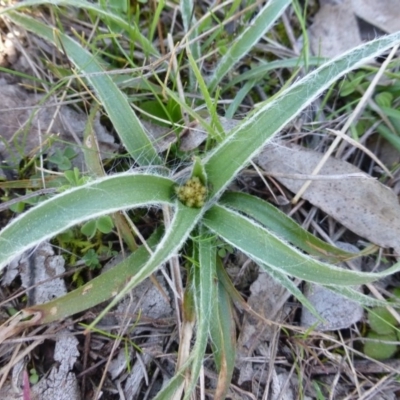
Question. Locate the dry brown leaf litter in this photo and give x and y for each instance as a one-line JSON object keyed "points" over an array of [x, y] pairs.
{"points": [[39, 271], [30, 127], [340, 25], [337, 311], [362, 204]]}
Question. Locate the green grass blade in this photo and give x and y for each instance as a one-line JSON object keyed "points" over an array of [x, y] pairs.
{"points": [[189, 20], [258, 128], [203, 295], [260, 72], [187, 8], [98, 290], [237, 101], [264, 247], [133, 32], [156, 19], [168, 391], [211, 105], [360, 298], [285, 227], [115, 103], [79, 204], [257, 28], [393, 139]]}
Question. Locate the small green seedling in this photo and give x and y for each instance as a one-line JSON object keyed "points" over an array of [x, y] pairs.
{"points": [[74, 177], [224, 249], [33, 376], [104, 224], [91, 259], [383, 328], [63, 158]]}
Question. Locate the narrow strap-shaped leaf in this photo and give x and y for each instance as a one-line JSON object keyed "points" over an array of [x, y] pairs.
{"points": [[223, 338], [133, 31], [289, 285], [172, 386], [259, 72], [79, 204], [115, 102], [98, 290], [189, 20], [204, 274], [267, 120], [285, 227], [280, 277], [264, 247], [361, 298], [256, 29]]}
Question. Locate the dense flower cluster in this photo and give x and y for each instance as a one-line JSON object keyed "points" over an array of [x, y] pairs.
{"points": [[193, 193]]}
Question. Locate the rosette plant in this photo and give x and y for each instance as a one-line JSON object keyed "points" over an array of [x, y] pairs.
{"points": [[198, 210]]}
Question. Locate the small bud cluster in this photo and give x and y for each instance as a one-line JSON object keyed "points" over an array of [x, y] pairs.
{"points": [[193, 193]]}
